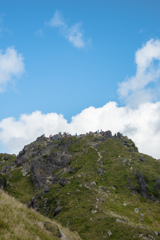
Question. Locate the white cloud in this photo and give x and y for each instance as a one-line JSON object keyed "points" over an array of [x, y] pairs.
{"points": [[11, 65], [142, 125], [144, 86], [57, 20], [2, 28], [39, 33], [73, 34]]}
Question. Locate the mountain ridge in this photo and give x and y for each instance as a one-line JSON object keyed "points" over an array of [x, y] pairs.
{"points": [[96, 184]]}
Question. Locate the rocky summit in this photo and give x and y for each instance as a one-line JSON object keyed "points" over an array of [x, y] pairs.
{"points": [[95, 185]]}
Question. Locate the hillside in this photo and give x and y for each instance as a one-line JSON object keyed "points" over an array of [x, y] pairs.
{"points": [[96, 184], [19, 222]]}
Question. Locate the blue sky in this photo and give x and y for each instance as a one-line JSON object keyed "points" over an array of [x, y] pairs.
{"points": [[66, 56]]}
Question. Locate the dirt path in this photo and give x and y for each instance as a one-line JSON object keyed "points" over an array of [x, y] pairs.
{"points": [[93, 146]]}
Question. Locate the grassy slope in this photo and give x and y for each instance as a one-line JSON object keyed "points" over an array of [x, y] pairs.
{"points": [[83, 198], [19, 222]]}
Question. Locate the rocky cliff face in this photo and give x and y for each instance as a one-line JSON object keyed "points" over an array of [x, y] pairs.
{"points": [[45, 156]]}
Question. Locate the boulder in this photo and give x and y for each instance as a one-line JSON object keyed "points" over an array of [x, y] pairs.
{"points": [[107, 191], [20, 161], [6, 157], [99, 171], [63, 181], [72, 170], [119, 135], [93, 183], [142, 185], [38, 179], [57, 210], [45, 190], [157, 233], [21, 153], [158, 181], [109, 233], [26, 169], [142, 159]]}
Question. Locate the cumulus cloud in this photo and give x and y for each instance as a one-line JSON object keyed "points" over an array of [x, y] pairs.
{"points": [[73, 34], [11, 65], [145, 85], [142, 125]]}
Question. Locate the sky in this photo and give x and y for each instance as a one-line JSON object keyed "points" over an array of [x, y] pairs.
{"points": [[79, 66]]}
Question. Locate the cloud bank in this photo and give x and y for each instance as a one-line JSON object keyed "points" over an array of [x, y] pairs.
{"points": [[142, 125], [11, 65], [73, 34]]}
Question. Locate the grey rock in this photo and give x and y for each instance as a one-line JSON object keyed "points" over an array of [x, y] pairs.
{"points": [[158, 181], [37, 178], [63, 181], [118, 220], [109, 233], [66, 145], [151, 237], [20, 161], [125, 143], [119, 135], [100, 163], [107, 191], [130, 150], [68, 223], [45, 190], [57, 210], [62, 236], [55, 179], [97, 146], [93, 183], [124, 161], [157, 233], [99, 171], [72, 170], [26, 169], [142, 159], [21, 153], [6, 157], [142, 184]]}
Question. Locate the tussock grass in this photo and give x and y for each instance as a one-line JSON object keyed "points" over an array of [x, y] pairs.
{"points": [[19, 222]]}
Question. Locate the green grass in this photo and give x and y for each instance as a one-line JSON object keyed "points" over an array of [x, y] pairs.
{"points": [[119, 179]]}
